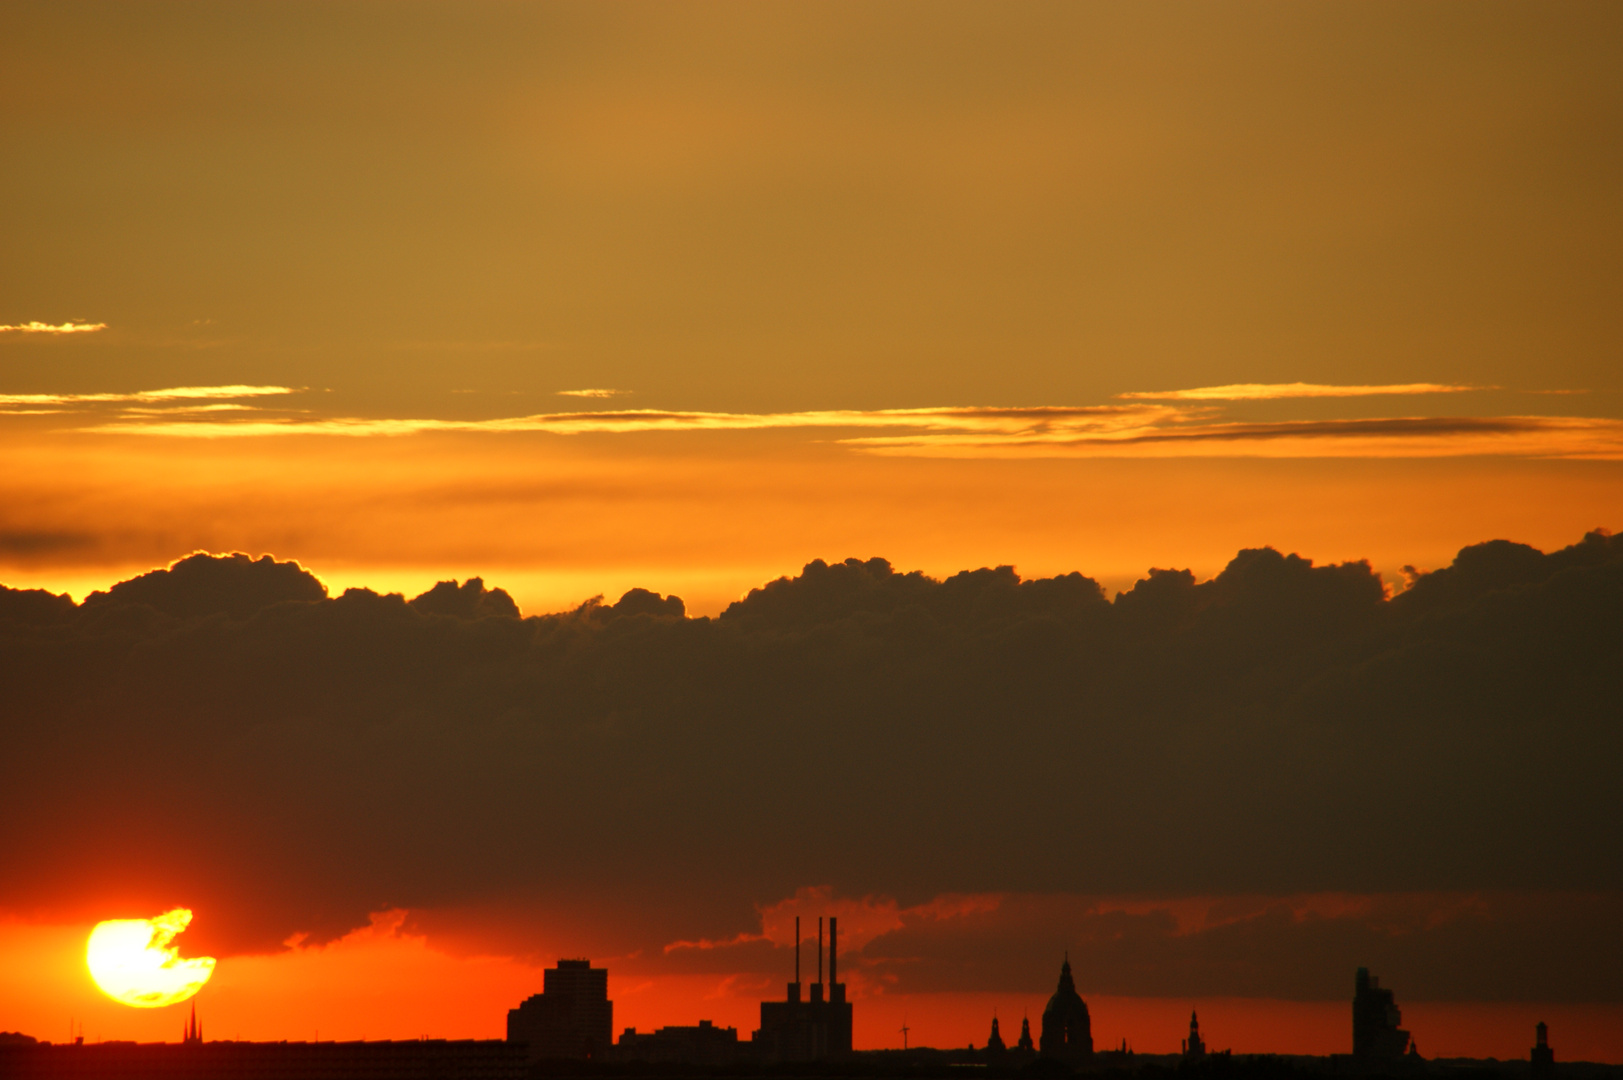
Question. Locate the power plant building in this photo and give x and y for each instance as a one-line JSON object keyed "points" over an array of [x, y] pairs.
{"points": [[814, 1028]]}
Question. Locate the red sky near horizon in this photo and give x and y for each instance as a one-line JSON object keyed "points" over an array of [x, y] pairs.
{"points": [[386, 982], [578, 298]]}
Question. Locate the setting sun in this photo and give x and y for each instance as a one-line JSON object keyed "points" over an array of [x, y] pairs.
{"points": [[134, 962]]}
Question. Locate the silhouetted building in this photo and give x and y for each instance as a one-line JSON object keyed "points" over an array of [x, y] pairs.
{"points": [[1067, 1031], [572, 1017], [995, 1045], [193, 1034], [796, 1030], [414, 1059], [1376, 1035], [705, 1044], [1543, 1056], [1025, 1045], [1193, 1046]]}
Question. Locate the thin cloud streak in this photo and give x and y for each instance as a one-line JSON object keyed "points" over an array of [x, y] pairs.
{"points": [[993, 432], [36, 327], [1098, 419], [173, 393], [1419, 437], [1270, 391], [593, 393]]}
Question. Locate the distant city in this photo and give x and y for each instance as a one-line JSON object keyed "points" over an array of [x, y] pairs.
{"points": [[568, 1030]]}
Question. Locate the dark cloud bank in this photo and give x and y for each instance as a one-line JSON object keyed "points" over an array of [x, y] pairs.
{"points": [[225, 735]]}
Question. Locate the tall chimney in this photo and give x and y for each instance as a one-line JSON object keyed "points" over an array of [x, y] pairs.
{"points": [[794, 987], [817, 987], [833, 953]]}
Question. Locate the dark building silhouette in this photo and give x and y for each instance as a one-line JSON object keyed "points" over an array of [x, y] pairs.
{"points": [[1543, 1056], [1376, 1035], [995, 1045], [1025, 1045], [705, 1044], [572, 1017], [1193, 1046], [1067, 1031], [817, 1028], [193, 1033], [414, 1059]]}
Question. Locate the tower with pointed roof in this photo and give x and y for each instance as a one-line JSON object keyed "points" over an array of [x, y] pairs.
{"points": [[193, 1035], [1025, 1045], [1067, 1031], [1194, 1046], [994, 1041]]}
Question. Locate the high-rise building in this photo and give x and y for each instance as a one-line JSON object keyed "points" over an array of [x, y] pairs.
{"points": [[572, 1017], [1376, 1034], [1067, 1031]]}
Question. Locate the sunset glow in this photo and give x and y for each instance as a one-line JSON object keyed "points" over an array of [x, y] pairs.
{"points": [[1125, 489], [135, 961]]}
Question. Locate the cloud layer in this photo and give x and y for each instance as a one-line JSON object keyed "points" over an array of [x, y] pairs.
{"points": [[36, 327], [1271, 391], [224, 733], [1128, 430], [173, 393]]}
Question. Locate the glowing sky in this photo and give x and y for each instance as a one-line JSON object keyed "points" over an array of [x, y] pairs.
{"points": [[580, 297]]}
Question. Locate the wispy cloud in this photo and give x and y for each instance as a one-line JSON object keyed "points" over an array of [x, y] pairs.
{"points": [[1047, 420], [597, 393], [48, 328], [1267, 391], [1397, 437], [174, 393], [1127, 430]]}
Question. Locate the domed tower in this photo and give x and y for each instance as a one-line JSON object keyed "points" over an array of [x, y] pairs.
{"points": [[1067, 1031]]}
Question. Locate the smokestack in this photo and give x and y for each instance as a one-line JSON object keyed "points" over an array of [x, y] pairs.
{"points": [[819, 950], [833, 952], [794, 987]]}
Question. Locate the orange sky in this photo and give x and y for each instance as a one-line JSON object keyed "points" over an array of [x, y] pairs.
{"points": [[383, 981], [578, 297]]}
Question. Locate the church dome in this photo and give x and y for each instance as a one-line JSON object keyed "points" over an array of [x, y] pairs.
{"points": [[1067, 1030]]}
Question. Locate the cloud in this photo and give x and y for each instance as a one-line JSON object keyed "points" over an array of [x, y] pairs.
{"points": [[28, 542], [173, 393], [47, 328], [967, 746], [1004, 421], [1595, 438], [1269, 391], [592, 393], [1127, 430]]}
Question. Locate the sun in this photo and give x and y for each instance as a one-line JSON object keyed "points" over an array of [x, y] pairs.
{"points": [[133, 961]]}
